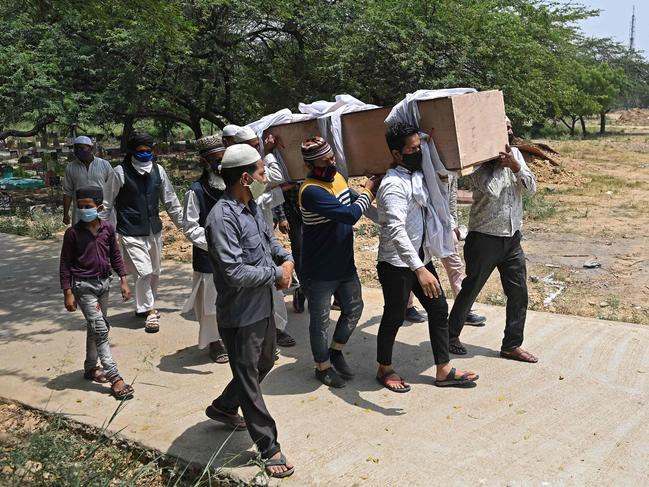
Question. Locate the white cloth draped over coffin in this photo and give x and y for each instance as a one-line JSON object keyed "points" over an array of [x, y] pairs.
{"points": [[429, 190]]}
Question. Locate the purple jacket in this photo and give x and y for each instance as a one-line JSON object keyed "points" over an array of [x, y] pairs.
{"points": [[85, 255]]}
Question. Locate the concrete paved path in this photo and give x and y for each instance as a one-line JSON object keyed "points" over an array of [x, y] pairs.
{"points": [[579, 417]]}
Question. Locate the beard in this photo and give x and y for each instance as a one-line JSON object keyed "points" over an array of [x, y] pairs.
{"points": [[215, 181]]}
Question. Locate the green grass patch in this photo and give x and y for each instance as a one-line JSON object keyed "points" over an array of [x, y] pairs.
{"points": [[37, 224], [610, 183], [537, 207], [47, 450]]}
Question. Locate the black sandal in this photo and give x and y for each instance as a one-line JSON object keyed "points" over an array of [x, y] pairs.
{"points": [[278, 462], [453, 381], [284, 339], [456, 348], [231, 419], [218, 353]]}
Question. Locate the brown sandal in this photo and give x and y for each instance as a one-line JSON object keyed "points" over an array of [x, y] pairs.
{"points": [[152, 324], [390, 384], [96, 374], [519, 355], [125, 392]]}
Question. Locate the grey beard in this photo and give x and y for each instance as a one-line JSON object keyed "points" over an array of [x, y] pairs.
{"points": [[216, 181]]}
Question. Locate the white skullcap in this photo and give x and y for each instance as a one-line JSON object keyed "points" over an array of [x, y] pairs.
{"points": [[239, 155], [244, 134], [230, 130], [507, 120], [82, 139]]}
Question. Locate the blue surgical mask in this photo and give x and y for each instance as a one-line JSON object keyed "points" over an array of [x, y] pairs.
{"points": [[88, 214], [143, 156]]}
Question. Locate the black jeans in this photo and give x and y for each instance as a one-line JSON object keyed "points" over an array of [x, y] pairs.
{"points": [[251, 350], [397, 282], [483, 253]]}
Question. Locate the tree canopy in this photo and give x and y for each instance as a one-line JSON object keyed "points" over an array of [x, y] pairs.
{"points": [[80, 64]]}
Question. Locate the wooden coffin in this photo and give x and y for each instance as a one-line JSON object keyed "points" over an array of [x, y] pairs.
{"points": [[291, 136], [467, 129], [366, 151]]}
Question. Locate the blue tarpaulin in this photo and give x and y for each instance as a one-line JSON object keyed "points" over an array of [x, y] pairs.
{"points": [[21, 183]]}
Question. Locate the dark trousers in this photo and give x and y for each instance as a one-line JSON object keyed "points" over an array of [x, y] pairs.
{"points": [[397, 282], [294, 218], [251, 350], [483, 253]]}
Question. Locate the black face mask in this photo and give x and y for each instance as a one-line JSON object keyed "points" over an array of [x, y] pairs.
{"points": [[412, 162]]}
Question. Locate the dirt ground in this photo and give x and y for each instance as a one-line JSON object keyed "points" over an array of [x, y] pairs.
{"points": [[590, 208]]}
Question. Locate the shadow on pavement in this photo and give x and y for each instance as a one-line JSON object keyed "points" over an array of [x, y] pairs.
{"points": [[182, 361]]}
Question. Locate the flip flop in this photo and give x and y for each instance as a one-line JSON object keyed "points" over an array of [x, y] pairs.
{"points": [[390, 383], [453, 381], [235, 420], [278, 462]]}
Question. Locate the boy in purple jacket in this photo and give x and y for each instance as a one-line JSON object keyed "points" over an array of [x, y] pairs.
{"points": [[89, 252]]}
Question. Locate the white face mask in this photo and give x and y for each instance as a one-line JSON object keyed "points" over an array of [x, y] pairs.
{"points": [[257, 189]]}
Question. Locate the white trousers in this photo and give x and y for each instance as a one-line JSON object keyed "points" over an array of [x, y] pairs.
{"points": [[203, 301], [142, 258]]}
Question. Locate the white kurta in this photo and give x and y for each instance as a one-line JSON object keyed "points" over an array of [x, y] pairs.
{"points": [[202, 298], [273, 197], [142, 255]]}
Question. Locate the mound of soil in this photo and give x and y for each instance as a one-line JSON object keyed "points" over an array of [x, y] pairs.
{"points": [[638, 117]]}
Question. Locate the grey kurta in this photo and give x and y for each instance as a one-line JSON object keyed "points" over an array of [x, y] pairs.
{"points": [[77, 175], [246, 258]]}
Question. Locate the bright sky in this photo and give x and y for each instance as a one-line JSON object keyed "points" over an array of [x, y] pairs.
{"points": [[615, 20]]}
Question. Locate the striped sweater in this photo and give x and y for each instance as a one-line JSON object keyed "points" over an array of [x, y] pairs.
{"points": [[329, 211]]}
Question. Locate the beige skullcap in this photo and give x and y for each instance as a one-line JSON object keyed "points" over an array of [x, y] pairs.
{"points": [[244, 134], [238, 155]]}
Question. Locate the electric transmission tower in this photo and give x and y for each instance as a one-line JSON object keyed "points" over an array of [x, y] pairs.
{"points": [[632, 33]]}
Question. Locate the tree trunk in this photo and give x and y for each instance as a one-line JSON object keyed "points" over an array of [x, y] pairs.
{"points": [[44, 138], [26, 133], [583, 126], [196, 126], [127, 130], [602, 122], [572, 127]]}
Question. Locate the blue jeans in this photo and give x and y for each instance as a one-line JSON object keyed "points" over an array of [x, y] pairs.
{"points": [[319, 294], [92, 298]]}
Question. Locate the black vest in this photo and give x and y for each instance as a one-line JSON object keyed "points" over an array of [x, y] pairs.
{"points": [[137, 203], [207, 197]]}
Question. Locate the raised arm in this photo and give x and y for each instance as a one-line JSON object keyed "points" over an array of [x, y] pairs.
{"points": [[319, 201], [524, 177]]}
